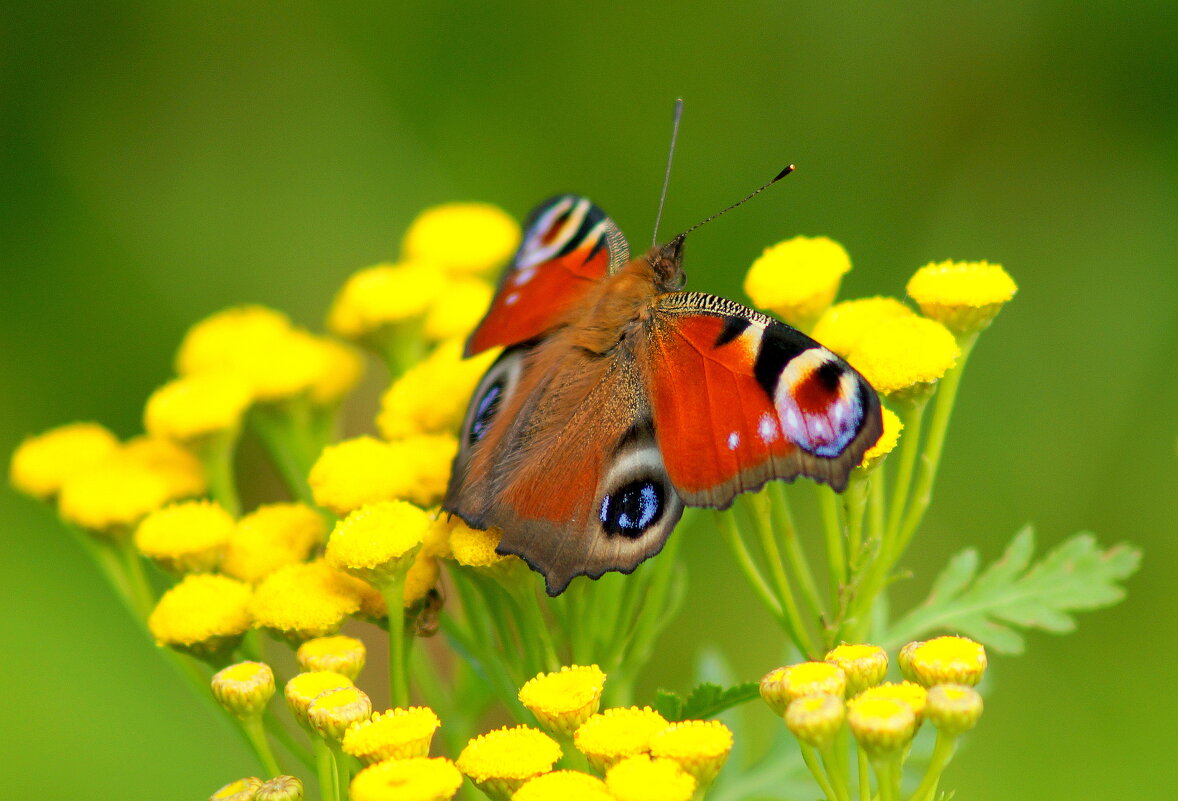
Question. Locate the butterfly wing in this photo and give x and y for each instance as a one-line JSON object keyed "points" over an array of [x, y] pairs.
{"points": [[569, 245], [740, 398], [558, 451]]}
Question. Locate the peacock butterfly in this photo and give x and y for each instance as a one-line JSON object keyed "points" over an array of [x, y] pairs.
{"points": [[619, 398]]}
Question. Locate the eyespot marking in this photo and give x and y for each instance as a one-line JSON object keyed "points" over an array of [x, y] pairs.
{"points": [[633, 508]]}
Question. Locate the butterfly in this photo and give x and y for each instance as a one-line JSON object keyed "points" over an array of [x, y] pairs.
{"points": [[619, 398]]}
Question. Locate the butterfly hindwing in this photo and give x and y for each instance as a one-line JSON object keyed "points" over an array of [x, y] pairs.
{"points": [[740, 398], [569, 245]]}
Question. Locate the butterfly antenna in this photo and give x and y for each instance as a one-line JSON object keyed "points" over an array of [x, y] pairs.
{"points": [[744, 199], [667, 176]]}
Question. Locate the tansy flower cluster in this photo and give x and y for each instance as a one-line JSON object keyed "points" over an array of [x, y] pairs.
{"points": [[847, 691]]}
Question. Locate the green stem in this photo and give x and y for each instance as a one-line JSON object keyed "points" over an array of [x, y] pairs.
{"points": [[854, 510], [283, 442], [864, 776], [836, 772], [325, 768], [730, 530], [942, 754], [283, 735], [256, 733], [343, 778], [912, 416], [217, 457], [142, 596], [783, 521], [757, 505], [836, 555], [922, 494], [394, 598], [810, 757]]}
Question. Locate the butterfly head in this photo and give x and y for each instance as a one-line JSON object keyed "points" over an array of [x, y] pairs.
{"points": [[667, 263]]}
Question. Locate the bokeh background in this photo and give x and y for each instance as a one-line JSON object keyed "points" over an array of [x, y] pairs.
{"points": [[161, 160]]}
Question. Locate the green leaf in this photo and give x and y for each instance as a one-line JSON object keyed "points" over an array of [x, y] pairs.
{"points": [[705, 701], [1013, 593]]}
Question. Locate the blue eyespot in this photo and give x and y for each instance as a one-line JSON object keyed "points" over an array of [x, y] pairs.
{"points": [[633, 508], [486, 407]]}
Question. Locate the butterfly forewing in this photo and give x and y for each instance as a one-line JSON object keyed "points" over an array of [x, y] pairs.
{"points": [[740, 398]]}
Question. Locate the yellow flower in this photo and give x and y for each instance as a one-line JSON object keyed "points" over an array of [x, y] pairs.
{"points": [[474, 547], [383, 296], [564, 699], [563, 785], [306, 687], [422, 577], [500, 761], [281, 788], [881, 726], [845, 324], [948, 660], [910, 693], [187, 537], [904, 354], [195, 407], [699, 746], [333, 711], [340, 369], [953, 708], [904, 659], [457, 311], [815, 719], [462, 237], [431, 397], [414, 779], [964, 296], [784, 684], [270, 537], [378, 542], [244, 689], [437, 539], [797, 279], [341, 654], [640, 778], [356, 472], [41, 464], [886, 442], [203, 614], [179, 467], [864, 665], [395, 734], [609, 736], [304, 601], [425, 461], [240, 790]]}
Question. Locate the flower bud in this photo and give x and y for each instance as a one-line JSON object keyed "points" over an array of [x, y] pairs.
{"points": [[953, 708], [948, 660], [784, 684], [815, 719], [864, 665], [244, 689], [333, 711]]}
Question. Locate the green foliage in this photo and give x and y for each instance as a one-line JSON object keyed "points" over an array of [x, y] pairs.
{"points": [[705, 701], [1014, 594]]}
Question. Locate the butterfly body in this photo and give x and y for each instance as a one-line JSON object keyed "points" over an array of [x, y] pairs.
{"points": [[619, 398]]}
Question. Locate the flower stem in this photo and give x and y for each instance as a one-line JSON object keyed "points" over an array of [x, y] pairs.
{"points": [[325, 768], [836, 772], [912, 417], [730, 530], [142, 595], [810, 757], [942, 754], [783, 521], [343, 777], [757, 505], [256, 733], [217, 457], [836, 555], [864, 776], [394, 595]]}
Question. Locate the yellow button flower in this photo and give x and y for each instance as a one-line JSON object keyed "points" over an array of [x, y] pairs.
{"points": [[340, 368], [304, 601], [948, 660], [797, 279], [395, 734], [203, 614], [610, 736], [463, 237], [180, 469], [881, 726], [422, 577], [564, 699], [457, 311], [271, 537], [244, 689], [892, 426], [239, 790], [378, 542], [431, 397], [187, 537], [281, 788], [415, 779], [953, 708], [356, 472], [904, 355], [864, 665], [500, 761], [333, 711], [112, 497], [41, 464], [425, 461], [339, 653], [640, 778], [815, 719], [699, 746], [910, 693], [845, 324], [474, 547], [563, 785], [195, 407], [963, 296], [385, 296], [784, 684], [306, 687]]}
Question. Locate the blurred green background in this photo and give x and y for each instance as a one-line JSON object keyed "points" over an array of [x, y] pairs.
{"points": [[161, 160]]}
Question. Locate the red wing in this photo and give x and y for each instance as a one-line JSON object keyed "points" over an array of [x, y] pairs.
{"points": [[740, 398], [569, 245]]}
